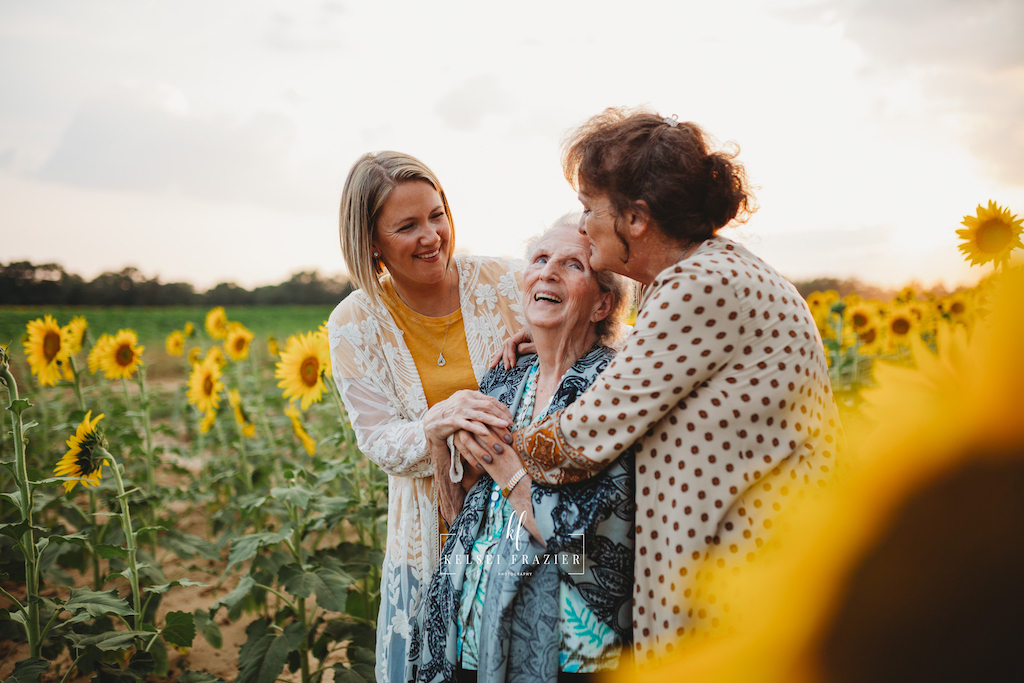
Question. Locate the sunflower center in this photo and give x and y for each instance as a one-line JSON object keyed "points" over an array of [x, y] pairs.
{"points": [[868, 336], [859, 320], [124, 355], [208, 385], [994, 236], [957, 308], [900, 326], [239, 345], [51, 345], [310, 371]]}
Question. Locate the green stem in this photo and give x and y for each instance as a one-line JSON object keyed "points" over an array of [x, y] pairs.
{"points": [[282, 596], [25, 489], [12, 599], [77, 383], [71, 668], [154, 500], [97, 580], [126, 524]]}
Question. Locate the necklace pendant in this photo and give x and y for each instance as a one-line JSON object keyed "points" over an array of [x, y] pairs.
{"points": [[440, 360]]}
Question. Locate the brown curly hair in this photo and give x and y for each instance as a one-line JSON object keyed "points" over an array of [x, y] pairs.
{"points": [[635, 155]]}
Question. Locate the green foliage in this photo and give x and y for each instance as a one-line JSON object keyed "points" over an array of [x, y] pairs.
{"points": [[299, 537]]}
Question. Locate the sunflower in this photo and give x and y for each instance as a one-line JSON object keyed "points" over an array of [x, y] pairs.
{"points": [[901, 325], [204, 385], [272, 348], [299, 430], [217, 323], [175, 343], [235, 399], [237, 343], [82, 459], [958, 308], [325, 348], [871, 563], [871, 338], [121, 357], [216, 354], [189, 330], [991, 234], [195, 354], [99, 351], [209, 417], [48, 348], [76, 333], [861, 315], [907, 294], [301, 368]]}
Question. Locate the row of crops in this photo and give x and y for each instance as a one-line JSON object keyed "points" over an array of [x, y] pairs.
{"points": [[291, 516]]}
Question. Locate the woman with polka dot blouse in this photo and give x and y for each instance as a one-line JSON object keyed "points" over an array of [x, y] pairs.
{"points": [[722, 386]]}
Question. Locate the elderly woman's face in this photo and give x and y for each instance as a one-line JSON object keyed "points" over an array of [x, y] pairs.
{"points": [[559, 288]]}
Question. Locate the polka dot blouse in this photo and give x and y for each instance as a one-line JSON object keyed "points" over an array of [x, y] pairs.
{"points": [[723, 390]]}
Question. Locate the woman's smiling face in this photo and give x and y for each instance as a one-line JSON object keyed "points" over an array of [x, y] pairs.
{"points": [[560, 291], [413, 235]]}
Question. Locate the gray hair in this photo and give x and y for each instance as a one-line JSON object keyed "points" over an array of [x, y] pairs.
{"points": [[613, 326]]}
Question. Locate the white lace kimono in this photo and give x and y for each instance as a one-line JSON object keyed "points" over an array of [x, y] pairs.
{"points": [[384, 398]]}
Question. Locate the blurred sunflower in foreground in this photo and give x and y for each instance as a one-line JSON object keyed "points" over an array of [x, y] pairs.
{"points": [[217, 323], [237, 343], [76, 333], [991, 234], [909, 570], [47, 348], [175, 343], [204, 385], [81, 460], [241, 417], [121, 355], [307, 442], [302, 366]]}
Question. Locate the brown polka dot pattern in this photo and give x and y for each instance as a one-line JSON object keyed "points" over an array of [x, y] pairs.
{"points": [[753, 425]]}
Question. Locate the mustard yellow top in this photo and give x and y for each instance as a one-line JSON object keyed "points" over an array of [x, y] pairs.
{"points": [[439, 382]]}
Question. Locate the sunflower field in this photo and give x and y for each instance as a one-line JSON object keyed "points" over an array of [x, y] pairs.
{"points": [[150, 523], [200, 512]]}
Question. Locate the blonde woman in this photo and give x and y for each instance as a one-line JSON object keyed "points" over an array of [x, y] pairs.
{"points": [[407, 350]]}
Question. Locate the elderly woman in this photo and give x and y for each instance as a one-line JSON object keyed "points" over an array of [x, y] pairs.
{"points": [[722, 387], [534, 583], [423, 325]]}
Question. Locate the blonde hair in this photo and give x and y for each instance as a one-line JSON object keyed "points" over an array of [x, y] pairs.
{"points": [[367, 188]]}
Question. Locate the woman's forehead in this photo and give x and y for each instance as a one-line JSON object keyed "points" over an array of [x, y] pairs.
{"points": [[563, 238]]}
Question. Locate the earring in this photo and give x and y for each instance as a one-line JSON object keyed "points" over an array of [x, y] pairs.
{"points": [[376, 255]]}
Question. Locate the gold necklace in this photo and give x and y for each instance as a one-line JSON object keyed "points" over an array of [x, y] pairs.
{"points": [[441, 362]]}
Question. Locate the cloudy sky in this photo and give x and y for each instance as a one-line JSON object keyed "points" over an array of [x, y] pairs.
{"points": [[208, 141]]}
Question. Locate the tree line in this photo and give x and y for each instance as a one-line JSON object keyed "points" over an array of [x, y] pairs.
{"points": [[26, 284]]}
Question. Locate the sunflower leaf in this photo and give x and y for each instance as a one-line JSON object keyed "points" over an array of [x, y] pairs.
{"points": [[109, 552], [109, 641], [243, 589], [28, 671], [179, 629], [16, 500], [246, 547], [97, 603], [18, 406], [186, 546], [208, 628], [163, 588]]}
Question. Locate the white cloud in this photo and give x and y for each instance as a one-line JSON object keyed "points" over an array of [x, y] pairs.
{"points": [[965, 56], [144, 139], [465, 107]]}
